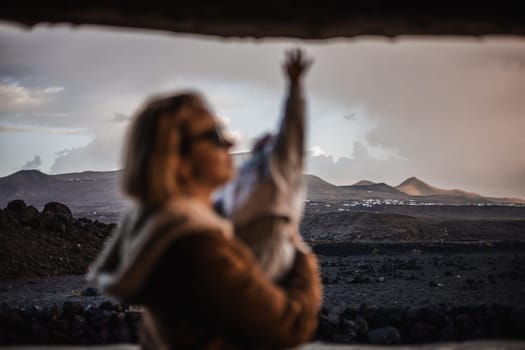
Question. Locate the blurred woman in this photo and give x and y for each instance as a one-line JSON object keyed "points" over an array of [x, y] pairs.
{"points": [[201, 288]]}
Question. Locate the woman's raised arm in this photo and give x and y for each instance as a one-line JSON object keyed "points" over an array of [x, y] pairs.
{"points": [[288, 153]]}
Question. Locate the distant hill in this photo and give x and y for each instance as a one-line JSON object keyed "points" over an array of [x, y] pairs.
{"points": [[415, 187], [423, 191], [100, 191], [376, 188], [364, 183], [320, 190], [85, 191]]}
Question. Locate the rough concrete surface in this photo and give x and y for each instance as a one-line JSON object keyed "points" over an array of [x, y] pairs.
{"points": [[476, 345]]}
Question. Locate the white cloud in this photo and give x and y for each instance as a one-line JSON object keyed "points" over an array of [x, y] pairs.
{"points": [[360, 166], [316, 151], [53, 90], [15, 97], [104, 152], [32, 164]]}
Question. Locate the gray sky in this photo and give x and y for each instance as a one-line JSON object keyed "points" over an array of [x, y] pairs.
{"points": [[450, 111]]}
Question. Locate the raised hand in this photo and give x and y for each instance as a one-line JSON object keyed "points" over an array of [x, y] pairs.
{"points": [[296, 65]]}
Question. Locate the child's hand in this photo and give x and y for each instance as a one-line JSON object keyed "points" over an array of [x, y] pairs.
{"points": [[296, 65]]}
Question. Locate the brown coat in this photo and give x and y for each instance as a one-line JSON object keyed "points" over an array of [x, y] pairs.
{"points": [[209, 293], [203, 289]]}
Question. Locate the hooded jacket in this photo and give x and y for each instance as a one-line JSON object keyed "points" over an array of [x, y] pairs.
{"points": [[201, 288]]}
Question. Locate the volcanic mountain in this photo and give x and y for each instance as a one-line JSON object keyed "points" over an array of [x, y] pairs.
{"points": [[415, 187], [85, 191], [99, 191], [320, 190], [377, 190], [364, 183]]}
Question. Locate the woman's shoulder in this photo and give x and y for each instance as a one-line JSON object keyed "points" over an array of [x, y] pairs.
{"points": [[192, 215], [174, 220]]}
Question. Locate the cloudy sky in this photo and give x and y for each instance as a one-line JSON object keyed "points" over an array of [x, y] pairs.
{"points": [[450, 111]]}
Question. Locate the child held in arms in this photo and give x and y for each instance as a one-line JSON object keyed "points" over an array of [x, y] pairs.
{"points": [[266, 199]]}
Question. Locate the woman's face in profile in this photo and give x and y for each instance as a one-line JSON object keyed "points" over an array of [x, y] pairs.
{"points": [[208, 152]]}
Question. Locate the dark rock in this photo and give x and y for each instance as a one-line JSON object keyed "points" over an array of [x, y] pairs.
{"points": [[35, 223], [61, 325], [348, 324], [447, 334], [330, 277], [422, 331], [362, 325], [121, 332], [90, 292], [12, 317], [54, 225], [8, 219], [58, 211], [78, 322], [343, 338], [72, 309], [51, 313], [388, 317], [31, 211], [433, 316], [3, 307], [349, 329], [385, 336], [349, 313], [461, 309], [464, 323], [39, 333], [30, 312], [106, 305], [412, 314], [362, 309], [327, 326], [98, 318], [18, 206], [97, 335], [29, 215], [59, 337], [518, 320], [499, 317]]}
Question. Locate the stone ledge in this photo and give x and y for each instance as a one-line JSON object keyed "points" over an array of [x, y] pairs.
{"points": [[474, 345]]}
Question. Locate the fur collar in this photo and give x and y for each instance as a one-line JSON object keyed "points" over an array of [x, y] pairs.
{"points": [[141, 239]]}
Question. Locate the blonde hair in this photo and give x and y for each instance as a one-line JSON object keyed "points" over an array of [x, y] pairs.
{"points": [[152, 151]]}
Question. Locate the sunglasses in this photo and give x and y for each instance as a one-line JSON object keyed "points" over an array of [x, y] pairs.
{"points": [[214, 136]]}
